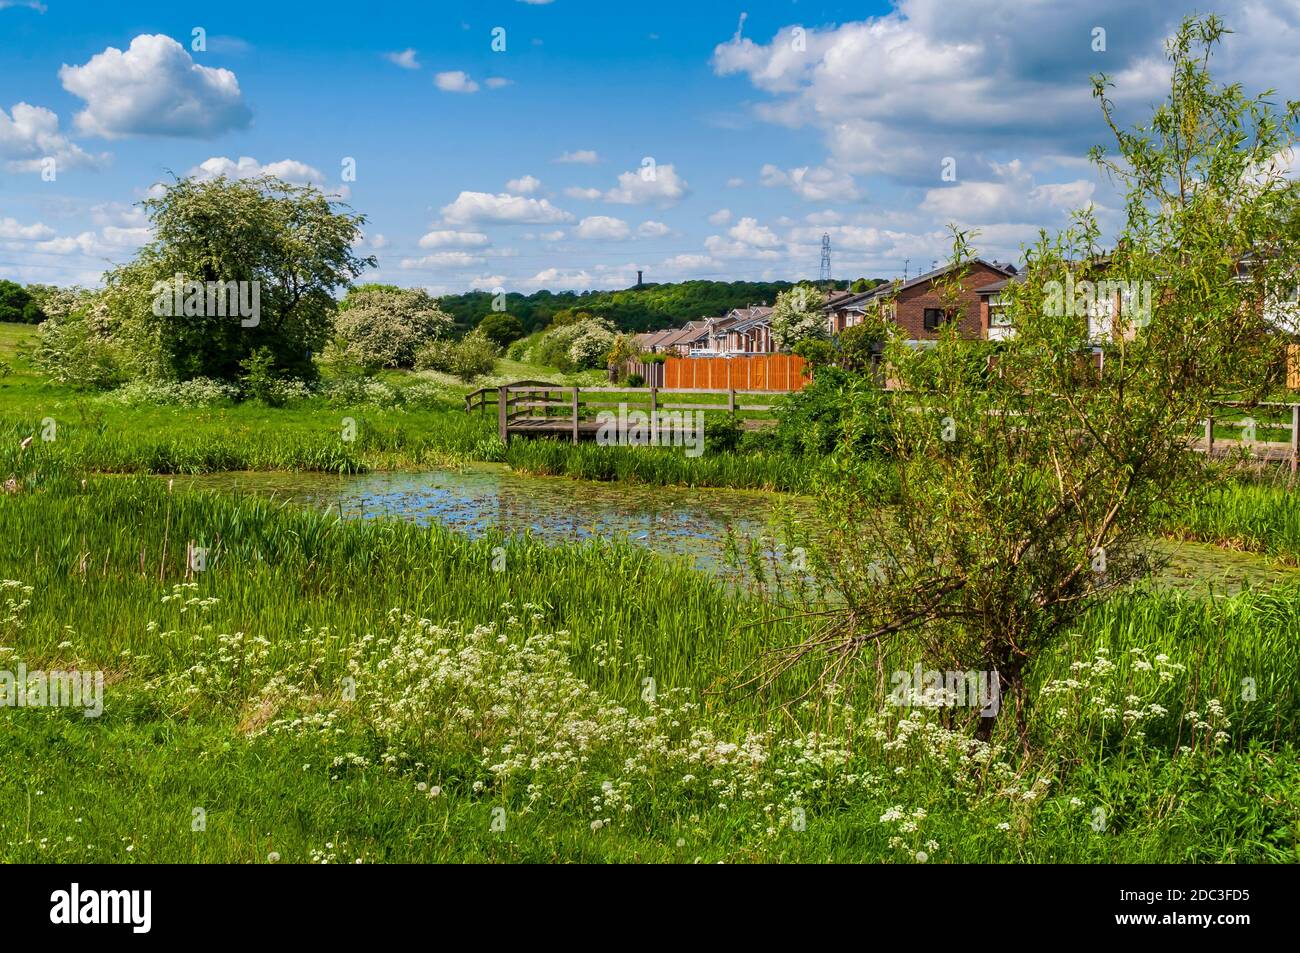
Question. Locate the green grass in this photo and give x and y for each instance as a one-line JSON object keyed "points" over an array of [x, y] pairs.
{"points": [[94, 433], [1244, 515], [200, 712]]}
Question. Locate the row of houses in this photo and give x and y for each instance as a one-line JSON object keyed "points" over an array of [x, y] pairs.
{"points": [[922, 306]]}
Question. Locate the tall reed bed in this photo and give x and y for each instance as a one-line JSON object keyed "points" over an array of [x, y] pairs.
{"points": [[1253, 516]]}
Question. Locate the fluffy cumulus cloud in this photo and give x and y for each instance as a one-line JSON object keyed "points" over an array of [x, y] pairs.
{"points": [[602, 227], [406, 59], [950, 79], [455, 81], [484, 207], [746, 239], [290, 170], [652, 229], [450, 238], [13, 230], [1011, 196], [652, 184], [444, 259], [818, 184], [154, 88], [524, 185], [30, 134], [108, 242]]}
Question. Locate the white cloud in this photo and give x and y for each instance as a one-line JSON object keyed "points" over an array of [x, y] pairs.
{"points": [[524, 185], [818, 184], [581, 157], [1012, 197], [688, 262], [559, 279], [107, 242], [450, 238], [472, 207], [748, 230], [455, 81], [406, 59], [721, 217], [11, 230], [290, 170], [154, 88], [575, 192], [443, 259], [947, 79], [497, 82], [554, 236], [602, 227], [651, 229], [657, 184], [29, 134]]}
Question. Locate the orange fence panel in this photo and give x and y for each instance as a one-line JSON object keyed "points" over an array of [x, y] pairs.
{"points": [[772, 372]]}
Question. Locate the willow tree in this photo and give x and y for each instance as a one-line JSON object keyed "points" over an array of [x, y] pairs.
{"points": [[1028, 475]]}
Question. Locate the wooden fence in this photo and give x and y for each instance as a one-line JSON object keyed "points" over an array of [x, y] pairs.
{"points": [[556, 410], [652, 372], [763, 372]]}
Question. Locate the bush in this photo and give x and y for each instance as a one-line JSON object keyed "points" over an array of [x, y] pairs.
{"points": [[816, 419], [860, 348], [816, 352], [634, 380], [196, 392], [501, 329], [470, 357], [259, 380], [380, 326], [18, 305], [578, 344], [75, 346], [473, 356]]}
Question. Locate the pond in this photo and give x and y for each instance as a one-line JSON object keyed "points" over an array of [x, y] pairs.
{"points": [[678, 522]]}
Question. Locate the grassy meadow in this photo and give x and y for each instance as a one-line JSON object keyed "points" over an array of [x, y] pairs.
{"points": [[339, 691]]}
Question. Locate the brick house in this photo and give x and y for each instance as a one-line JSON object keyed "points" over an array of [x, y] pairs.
{"points": [[919, 305]]}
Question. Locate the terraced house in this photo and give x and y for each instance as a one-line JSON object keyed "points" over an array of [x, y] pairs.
{"points": [[923, 305]]}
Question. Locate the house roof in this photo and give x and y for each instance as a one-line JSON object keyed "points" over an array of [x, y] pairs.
{"points": [[692, 332], [892, 287]]}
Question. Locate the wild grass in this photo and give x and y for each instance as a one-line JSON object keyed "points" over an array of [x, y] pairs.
{"points": [[1253, 516], [373, 690]]}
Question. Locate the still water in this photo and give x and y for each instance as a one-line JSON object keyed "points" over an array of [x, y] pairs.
{"points": [[675, 521]]}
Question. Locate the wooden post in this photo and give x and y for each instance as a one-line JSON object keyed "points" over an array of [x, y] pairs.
{"points": [[503, 415], [575, 415], [731, 402], [654, 416], [1209, 434], [1295, 435]]}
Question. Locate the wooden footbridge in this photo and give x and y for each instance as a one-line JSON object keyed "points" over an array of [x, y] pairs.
{"points": [[539, 409]]}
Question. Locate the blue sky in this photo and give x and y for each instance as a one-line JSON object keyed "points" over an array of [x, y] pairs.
{"points": [[525, 168]]}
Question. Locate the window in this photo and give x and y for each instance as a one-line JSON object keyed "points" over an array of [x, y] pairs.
{"points": [[936, 318], [998, 312]]}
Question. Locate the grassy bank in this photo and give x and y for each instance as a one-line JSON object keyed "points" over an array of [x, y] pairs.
{"points": [[400, 421], [371, 690]]}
